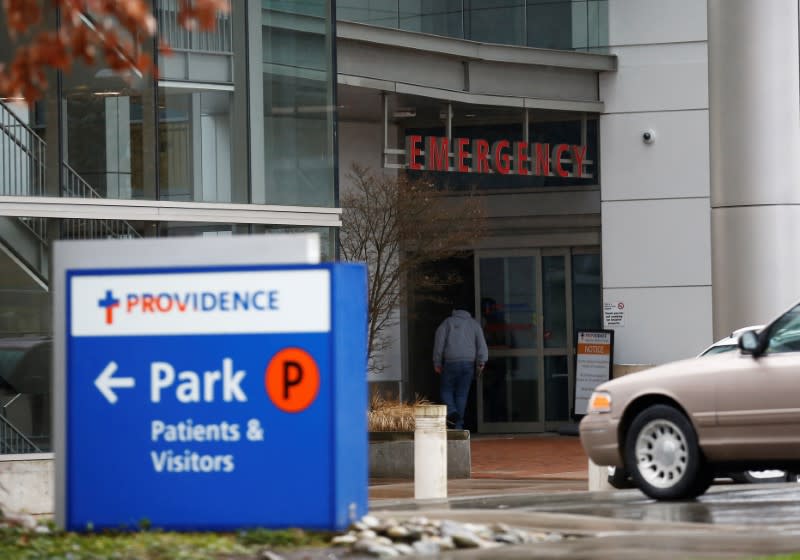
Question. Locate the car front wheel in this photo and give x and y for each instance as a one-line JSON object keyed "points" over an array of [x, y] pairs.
{"points": [[663, 457]]}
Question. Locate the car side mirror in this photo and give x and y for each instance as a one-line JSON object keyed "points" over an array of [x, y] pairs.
{"points": [[749, 343]]}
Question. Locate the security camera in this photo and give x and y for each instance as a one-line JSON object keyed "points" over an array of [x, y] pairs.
{"points": [[648, 136]]}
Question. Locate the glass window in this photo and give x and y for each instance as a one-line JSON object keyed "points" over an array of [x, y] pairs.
{"points": [[298, 104], [511, 390], [194, 132], [109, 128], [495, 21], [437, 17], [508, 301], [596, 24], [554, 298], [556, 381], [550, 23], [25, 337], [373, 12], [109, 132], [784, 334]]}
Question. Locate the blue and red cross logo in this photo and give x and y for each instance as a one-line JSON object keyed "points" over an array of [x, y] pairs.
{"points": [[109, 303]]}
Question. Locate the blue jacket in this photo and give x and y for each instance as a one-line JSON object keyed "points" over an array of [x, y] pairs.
{"points": [[459, 339]]}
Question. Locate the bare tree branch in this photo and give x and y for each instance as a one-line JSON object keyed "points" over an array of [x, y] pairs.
{"points": [[397, 225]]}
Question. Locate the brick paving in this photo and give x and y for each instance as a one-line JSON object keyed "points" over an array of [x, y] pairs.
{"points": [[509, 464], [528, 456]]}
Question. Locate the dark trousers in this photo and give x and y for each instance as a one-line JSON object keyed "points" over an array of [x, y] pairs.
{"points": [[456, 381]]}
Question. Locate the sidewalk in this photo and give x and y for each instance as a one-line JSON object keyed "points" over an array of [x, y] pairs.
{"points": [[529, 456], [509, 464]]}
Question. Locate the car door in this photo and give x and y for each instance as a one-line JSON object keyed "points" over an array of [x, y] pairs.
{"points": [[758, 398]]}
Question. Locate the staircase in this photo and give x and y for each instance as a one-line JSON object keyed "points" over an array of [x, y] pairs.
{"points": [[25, 243], [12, 441], [22, 173]]}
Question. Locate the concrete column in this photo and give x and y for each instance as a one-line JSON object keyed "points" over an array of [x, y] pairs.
{"points": [[430, 452], [754, 125]]}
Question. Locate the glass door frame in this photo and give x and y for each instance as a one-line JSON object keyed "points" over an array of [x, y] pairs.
{"points": [[539, 352]]}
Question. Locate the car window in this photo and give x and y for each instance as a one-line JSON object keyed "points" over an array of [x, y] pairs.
{"points": [[784, 334]]}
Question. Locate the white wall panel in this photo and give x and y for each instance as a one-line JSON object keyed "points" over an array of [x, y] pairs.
{"points": [[675, 165], [661, 324], [361, 143], [657, 78], [656, 231], [656, 243], [540, 82], [638, 22]]}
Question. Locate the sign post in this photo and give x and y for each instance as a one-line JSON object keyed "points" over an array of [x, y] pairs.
{"points": [[208, 395], [594, 360]]}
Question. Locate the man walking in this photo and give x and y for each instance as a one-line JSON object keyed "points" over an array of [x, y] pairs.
{"points": [[459, 346]]}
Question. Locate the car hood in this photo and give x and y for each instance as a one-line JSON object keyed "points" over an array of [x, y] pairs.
{"points": [[660, 376]]}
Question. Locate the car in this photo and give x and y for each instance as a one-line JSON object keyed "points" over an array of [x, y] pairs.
{"points": [[619, 478], [675, 427]]}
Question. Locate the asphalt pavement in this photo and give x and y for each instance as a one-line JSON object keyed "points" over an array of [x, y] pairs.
{"points": [[516, 483]]}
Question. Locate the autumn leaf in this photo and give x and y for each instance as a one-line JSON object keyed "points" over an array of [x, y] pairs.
{"points": [[118, 31]]}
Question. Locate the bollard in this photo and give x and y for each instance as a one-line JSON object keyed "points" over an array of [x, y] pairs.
{"points": [[430, 452], [598, 478]]}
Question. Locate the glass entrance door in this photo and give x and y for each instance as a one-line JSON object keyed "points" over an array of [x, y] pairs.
{"points": [[525, 308], [508, 389]]}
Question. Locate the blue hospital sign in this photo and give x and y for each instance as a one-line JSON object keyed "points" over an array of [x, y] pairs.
{"points": [[215, 398]]}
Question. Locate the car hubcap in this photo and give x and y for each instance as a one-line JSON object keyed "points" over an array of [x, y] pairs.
{"points": [[661, 453]]}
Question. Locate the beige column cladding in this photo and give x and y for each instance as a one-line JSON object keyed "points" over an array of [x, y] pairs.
{"points": [[754, 103]]}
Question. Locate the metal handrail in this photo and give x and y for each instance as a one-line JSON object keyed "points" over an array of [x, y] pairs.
{"points": [[3, 412], [13, 441], [76, 186], [22, 156], [22, 172]]}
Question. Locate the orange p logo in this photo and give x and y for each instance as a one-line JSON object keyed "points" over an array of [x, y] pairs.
{"points": [[292, 380]]}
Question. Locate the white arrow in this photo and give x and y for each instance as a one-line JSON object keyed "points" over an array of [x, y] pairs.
{"points": [[105, 383]]}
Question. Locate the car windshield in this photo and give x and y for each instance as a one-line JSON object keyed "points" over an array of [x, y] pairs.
{"points": [[784, 333], [719, 349]]}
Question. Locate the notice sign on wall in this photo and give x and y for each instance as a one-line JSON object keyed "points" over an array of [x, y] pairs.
{"points": [[613, 314], [593, 365]]}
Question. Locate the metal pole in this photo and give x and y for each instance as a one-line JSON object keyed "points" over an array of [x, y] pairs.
{"points": [[584, 129], [449, 133], [385, 126], [526, 122]]}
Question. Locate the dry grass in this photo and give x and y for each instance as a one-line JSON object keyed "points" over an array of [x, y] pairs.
{"points": [[385, 415]]}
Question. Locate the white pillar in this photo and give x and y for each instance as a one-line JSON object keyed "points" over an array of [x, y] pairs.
{"points": [[430, 452], [598, 478], [754, 126]]}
